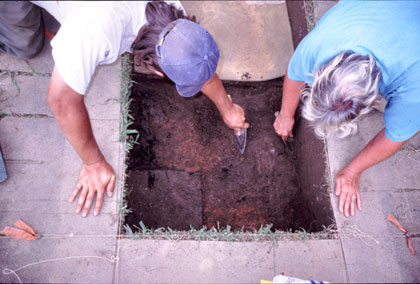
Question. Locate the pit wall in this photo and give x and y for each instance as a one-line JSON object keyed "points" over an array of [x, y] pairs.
{"points": [[312, 171], [311, 160]]}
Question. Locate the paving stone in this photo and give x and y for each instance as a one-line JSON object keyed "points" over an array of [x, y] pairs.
{"points": [[63, 260], [42, 63], [372, 243], [103, 91], [320, 260], [31, 98], [40, 140], [229, 23], [39, 159], [149, 261], [53, 224], [398, 171], [387, 261], [28, 96], [402, 204], [321, 7]]}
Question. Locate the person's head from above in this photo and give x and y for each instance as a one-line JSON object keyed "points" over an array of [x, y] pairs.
{"points": [[343, 90], [173, 44]]}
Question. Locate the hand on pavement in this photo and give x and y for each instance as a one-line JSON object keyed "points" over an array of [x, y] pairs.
{"points": [[94, 180], [347, 188], [283, 126]]}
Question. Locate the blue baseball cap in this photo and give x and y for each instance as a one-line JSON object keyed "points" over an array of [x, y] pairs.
{"points": [[188, 55]]}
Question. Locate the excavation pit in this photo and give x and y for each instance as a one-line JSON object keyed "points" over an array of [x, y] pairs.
{"points": [[186, 169]]}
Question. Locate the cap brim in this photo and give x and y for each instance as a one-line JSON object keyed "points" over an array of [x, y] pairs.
{"points": [[189, 91]]}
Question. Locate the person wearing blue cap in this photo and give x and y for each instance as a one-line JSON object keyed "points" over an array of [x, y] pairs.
{"points": [[92, 34], [358, 52], [187, 53]]}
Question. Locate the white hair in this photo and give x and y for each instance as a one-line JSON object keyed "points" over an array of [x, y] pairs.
{"points": [[342, 91]]}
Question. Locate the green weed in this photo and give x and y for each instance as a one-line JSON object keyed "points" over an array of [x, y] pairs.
{"points": [[127, 136], [264, 233]]}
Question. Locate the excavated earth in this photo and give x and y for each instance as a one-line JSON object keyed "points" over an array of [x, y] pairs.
{"points": [[187, 170]]}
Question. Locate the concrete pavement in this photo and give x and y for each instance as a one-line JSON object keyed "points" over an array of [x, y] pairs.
{"points": [[43, 168]]}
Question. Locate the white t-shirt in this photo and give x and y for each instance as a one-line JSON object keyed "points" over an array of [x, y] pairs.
{"points": [[93, 33]]}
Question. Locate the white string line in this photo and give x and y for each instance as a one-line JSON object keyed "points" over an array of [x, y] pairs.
{"points": [[7, 271], [348, 232]]}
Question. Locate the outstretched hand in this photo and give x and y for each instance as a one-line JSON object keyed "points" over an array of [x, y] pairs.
{"points": [[347, 188], [94, 180]]}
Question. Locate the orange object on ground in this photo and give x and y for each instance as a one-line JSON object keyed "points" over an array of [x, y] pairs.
{"points": [[402, 229], [22, 232]]}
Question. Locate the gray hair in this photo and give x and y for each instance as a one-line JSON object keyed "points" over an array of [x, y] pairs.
{"points": [[342, 91]]}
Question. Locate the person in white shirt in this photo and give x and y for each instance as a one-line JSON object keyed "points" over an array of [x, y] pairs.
{"points": [[166, 41]]}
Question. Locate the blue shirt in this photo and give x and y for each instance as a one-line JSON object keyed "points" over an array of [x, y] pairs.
{"points": [[389, 31]]}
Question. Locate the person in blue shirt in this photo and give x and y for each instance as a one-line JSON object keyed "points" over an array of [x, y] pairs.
{"points": [[358, 51]]}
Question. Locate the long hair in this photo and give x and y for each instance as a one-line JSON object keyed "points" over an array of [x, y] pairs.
{"points": [[342, 91], [158, 15]]}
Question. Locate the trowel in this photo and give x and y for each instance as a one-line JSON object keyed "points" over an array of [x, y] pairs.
{"points": [[240, 135]]}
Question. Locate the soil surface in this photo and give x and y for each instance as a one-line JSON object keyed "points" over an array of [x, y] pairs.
{"points": [[187, 170]]}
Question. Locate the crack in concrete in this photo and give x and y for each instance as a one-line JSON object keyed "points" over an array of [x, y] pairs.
{"points": [[24, 115], [25, 162], [24, 73]]}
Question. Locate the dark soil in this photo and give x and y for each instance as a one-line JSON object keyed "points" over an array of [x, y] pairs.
{"points": [[187, 168]]}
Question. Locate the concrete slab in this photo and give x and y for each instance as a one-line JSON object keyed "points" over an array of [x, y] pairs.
{"points": [[58, 260], [388, 261], [42, 63], [397, 172], [61, 225], [39, 159], [321, 7], [254, 37], [28, 95], [39, 140], [320, 260], [402, 204], [372, 243], [102, 96], [149, 261], [374, 249]]}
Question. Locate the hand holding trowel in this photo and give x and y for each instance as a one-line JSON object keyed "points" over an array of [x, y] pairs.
{"points": [[240, 135]]}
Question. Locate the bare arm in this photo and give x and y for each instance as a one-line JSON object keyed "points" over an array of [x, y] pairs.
{"points": [[71, 115], [283, 125], [348, 179], [233, 115]]}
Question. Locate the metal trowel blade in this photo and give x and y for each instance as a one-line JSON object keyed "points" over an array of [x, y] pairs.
{"points": [[241, 139]]}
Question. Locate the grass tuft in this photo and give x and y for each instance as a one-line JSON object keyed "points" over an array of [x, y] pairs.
{"points": [[263, 234], [309, 6], [127, 136]]}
